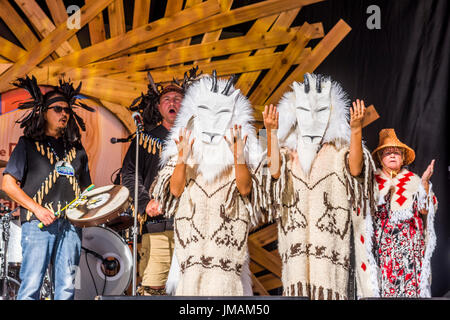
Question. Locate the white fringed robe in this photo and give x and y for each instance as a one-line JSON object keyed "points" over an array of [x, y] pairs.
{"points": [[315, 216], [211, 225]]}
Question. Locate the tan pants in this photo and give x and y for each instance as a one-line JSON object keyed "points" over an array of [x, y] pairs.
{"points": [[155, 257]]}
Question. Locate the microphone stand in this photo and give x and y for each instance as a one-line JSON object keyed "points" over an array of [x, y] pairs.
{"points": [[136, 179]]}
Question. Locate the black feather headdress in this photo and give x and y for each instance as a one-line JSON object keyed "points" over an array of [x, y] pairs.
{"points": [[34, 123]]}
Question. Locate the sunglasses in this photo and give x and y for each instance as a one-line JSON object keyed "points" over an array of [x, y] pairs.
{"points": [[59, 109]]}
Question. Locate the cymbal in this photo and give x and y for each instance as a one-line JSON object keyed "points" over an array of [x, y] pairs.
{"points": [[3, 163], [4, 196]]}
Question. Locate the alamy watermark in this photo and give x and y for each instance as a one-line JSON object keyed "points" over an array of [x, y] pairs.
{"points": [[74, 19], [374, 20]]}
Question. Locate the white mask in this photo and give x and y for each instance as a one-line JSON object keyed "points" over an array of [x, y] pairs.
{"points": [[321, 116], [209, 109], [214, 113]]}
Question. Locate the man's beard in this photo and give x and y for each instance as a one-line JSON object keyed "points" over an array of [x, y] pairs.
{"points": [[212, 159], [307, 152]]}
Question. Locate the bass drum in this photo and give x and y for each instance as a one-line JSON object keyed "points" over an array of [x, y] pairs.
{"points": [[106, 264]]}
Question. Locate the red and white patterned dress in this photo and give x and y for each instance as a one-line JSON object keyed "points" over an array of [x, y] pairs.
{"points": [[403, 238]]}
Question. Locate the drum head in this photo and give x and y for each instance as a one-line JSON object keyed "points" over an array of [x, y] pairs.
{"points": [[95, 277], [100, 205]]}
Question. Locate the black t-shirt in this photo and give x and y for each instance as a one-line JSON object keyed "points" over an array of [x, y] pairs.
{"points": [[32, 163], [149, 167]]}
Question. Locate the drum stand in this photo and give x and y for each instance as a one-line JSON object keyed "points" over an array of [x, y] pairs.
{"points": [[4, 278], [136, 202]]}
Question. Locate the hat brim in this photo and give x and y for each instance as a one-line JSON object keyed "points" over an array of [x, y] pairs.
{"points": [[410, 155]]}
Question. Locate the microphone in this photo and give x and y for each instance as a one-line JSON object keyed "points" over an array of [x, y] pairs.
{"points": [[116, 140], [138, 119]]}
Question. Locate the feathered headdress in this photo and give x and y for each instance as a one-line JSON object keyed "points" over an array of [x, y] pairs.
{"points": [[39, 103], [148, 102]]}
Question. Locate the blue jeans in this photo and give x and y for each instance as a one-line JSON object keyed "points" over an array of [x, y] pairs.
{"points": [[58, 243]]}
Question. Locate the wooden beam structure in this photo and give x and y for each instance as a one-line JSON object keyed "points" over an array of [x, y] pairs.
{"points": [[273, 49]]}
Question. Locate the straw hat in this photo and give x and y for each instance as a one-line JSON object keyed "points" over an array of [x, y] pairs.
{"points": [[388, 138]]}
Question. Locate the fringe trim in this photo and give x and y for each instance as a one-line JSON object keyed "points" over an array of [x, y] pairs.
{"points": [[160, 190], [426, 202], [150, 144], [275, 189], [373, 267], [313, 292], [362, 195]]}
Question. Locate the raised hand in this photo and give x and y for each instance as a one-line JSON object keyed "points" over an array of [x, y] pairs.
{"points": [[357, 114], [238, 144], [183, 145], [427, 175], [270, 116]]}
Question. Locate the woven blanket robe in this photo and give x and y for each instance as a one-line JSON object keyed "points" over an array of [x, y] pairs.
{"points": [[315, 217], [404, 238], [211, 225]]}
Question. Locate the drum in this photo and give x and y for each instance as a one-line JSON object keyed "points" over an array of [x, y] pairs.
{"points": [[106, 264], [99, 206], [124, 221]]}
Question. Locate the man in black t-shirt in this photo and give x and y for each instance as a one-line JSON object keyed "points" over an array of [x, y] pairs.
{"points": [[159, 108], [47, 169]]}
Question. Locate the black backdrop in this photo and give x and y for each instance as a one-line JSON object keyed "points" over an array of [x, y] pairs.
{"points": [[403, 69]]}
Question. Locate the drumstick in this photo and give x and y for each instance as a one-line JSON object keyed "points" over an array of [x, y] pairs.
{"points": [[58, 213]]}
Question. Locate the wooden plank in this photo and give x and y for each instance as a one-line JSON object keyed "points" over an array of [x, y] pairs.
{"points": [[141, 13], [59, 15], [215, 35], [255, 268], [96, 26], [115, 91], [265, 258], [223, 68], [318, 54], [42, 24], [10, 51], [116, 16], [283, 20], [173, 7], [279, 69], [222, 20], [49, 44], [17, 25], [136, 36], [258, 287], [265, 236], [4, 66], [270, 282], [195, 52]]}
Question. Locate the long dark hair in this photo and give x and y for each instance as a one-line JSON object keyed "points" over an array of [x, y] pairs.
{"points": [[34, 122], [35, 127]]}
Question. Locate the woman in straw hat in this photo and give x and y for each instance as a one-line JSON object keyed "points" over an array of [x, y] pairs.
{"points": [[404, 233]]}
